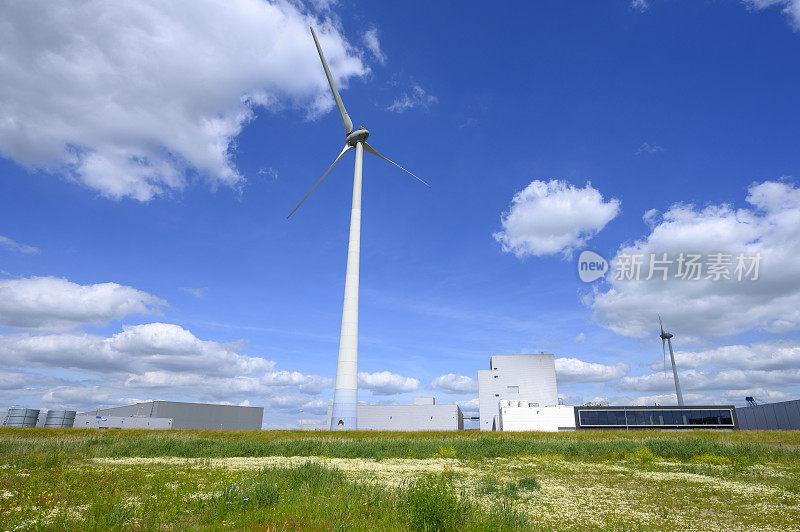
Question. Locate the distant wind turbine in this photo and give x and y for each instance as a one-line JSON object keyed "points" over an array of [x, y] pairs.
{"points": [[666, 338], [344, 416]]}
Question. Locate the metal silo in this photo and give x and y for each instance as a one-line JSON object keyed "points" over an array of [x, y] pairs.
{"points": [[60, 419], [22, 417]]}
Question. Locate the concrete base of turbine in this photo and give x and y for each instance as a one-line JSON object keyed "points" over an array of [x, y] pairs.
{"points": [[344, 416]]}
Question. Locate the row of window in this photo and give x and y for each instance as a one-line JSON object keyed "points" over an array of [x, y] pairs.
{"points": [[716, 417]]}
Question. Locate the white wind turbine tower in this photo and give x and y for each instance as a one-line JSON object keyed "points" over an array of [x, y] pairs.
{"points": [[345, 393], [667, 338]]}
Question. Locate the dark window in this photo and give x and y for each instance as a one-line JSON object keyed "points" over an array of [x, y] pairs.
{"points": [[668, 417]]}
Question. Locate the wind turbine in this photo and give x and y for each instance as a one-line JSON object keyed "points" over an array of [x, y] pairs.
{"points": [[666, 338], [345, 413]]}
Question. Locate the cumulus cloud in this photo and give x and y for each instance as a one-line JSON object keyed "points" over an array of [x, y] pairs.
{"points": [[470, 406], [791, 8], [55, 304], [86, 397], [550, 217], [16, 246], [580, 339], [707, 306], [772, 355], [671, 399], [142, 362], [387, 383], [218, 387], [373, 44], [308, 384], [455, 384], [574, 370], [138, 348], [13, 380], [416, 97], [296, 404], [708, 380], [130, 98]]}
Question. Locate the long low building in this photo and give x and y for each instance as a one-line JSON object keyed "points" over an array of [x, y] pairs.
{"points": [[655, 417], [194, 416], [424, 414]]}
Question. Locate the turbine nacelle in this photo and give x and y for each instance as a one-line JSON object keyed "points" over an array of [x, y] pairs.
{"points": [[359, 135]]}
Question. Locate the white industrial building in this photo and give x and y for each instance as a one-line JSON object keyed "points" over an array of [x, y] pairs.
{"points": [[527, 378], [424, 414], [519, 416]]}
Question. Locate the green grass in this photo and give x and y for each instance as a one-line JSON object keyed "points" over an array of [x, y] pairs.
{"points": [[473, 445], [94, 480]]}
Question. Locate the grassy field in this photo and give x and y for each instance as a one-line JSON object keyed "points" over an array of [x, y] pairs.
{"points": [[278, 480]]}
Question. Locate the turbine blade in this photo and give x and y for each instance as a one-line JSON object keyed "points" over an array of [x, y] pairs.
{"points": [[660, 324], [348, 124], [370, 149], [346, 149]]}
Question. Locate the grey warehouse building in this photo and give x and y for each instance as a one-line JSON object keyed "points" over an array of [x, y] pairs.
{"points": [[193, 416]]}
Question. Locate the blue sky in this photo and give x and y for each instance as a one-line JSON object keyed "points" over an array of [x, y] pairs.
{"points": [[167, 168]]}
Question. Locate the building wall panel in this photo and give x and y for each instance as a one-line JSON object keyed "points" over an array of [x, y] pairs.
{"points": [[784, 415], [194, 416]]}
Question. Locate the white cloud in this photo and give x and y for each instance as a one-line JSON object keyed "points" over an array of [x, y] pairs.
{"points": [[706, 306], [671, 399], [790, 8], [761, 395], [296, 404], [54, 304], [708, 380], [12, 380], [137, 349], [144, 362], [772, 355], [83, 398], [416, 97], [646, 147], [372, 43], [455, 384], [387, 383], [641, 5], [574, 370], [469, 406], [131, 98], [580, 339], [554, 217], [218, 387], [308, 384], [15, 246], [199, 293]]}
